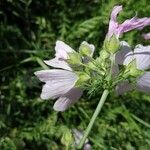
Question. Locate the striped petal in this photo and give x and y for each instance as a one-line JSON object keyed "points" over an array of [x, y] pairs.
{"points": [[143, 83], [123, 87], [125, 55], [58, 63], [68, 99], [133, 23], [142, 55], [62, 50], [128, 25], [55, 75], [58, 82], [113, 24]]}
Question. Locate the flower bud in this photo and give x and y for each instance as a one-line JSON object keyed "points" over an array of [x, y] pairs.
{"points": [[111, 44], [85, 49], [92, 66], [104, 54], [74, 58], [83, 77]]}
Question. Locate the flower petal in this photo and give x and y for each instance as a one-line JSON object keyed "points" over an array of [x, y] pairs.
{"points": [[68, 99], [54, 90], [146, 36], [125, 55], [58, 63], [113, 20], [58, 82], [123, 87], [115, 70], [133, 23], [62, 50], [55, 75], [142, 55], [143, 83]]}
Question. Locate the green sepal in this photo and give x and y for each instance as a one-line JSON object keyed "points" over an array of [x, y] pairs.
{"points": [[112, 45], [83, 78], [74, 58], [85, 50], [91, 66], [104, 54]]}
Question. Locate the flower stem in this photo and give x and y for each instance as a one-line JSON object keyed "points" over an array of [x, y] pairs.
{"points": [[97, 111]]}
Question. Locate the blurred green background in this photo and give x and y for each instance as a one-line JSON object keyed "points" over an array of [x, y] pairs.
{"points": [[28, 31]]}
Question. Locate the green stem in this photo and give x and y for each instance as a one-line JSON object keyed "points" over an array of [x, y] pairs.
{"points": [[67, 147], [112, 63], [97, 111], [141, 121]]}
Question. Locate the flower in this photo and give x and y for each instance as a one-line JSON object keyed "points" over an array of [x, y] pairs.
{"points": [[141, 55], [62, 51], [117, 29], [146, 36], [60, 83], [78, 136]]}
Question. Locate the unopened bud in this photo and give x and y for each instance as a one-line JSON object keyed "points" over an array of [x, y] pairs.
{"points": [[112, 44], [104, 54], [74, 58], [86, 49], [83, 78]]}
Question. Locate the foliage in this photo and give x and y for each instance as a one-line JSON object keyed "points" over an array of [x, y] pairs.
{"points": [[28, 31]]}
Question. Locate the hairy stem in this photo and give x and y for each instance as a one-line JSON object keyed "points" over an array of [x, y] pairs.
{"points": [[96, 113]]}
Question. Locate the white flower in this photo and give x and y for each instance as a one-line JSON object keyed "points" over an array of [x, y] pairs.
{"points": [[60, 83], [57, 82], [142, 56], [61, 55]]}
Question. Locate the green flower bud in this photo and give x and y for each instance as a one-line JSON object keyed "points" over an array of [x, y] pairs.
{"points": [[74, 59], [131, 69], [111, 45], [85, 50], [104, 54], [92, 66], [83, 77]]}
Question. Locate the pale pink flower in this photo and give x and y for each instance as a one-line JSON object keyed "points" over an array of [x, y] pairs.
{"points": [[146, 36], [142, 56], [60, 83], [117, 29], [61, 55]]}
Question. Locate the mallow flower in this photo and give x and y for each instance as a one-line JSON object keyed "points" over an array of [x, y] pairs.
{"points": [[61, 82], [146, 36], [117, 29], [141, 57]]}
